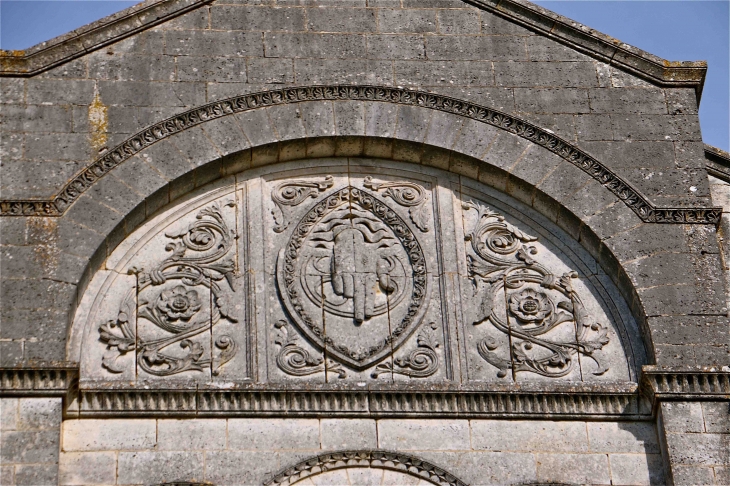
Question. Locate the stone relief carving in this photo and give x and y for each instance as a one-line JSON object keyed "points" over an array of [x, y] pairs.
{"points": [[347, 284], [406, 194], [541, 315], [293, 193], [172, 297], [351, 262]]}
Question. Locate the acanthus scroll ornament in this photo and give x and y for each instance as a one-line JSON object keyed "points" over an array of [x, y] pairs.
{"points": [[420, 363], [297, 361], [407, 194], [518, 297], [198, 264], [293, 193]]}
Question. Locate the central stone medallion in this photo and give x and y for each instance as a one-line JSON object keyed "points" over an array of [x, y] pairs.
{"points": [[353, 278]]}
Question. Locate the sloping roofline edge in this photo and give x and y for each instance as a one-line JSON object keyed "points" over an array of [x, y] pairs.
{"points": [[46, 55]]}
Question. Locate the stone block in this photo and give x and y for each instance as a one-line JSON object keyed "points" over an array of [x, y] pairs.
{"points": [[12, 90], [698, 449], [287, 121], [11, 352], [226, 135], [660, 269], [458, 21], [198, 19], [310, 45], [476, 139], [496, 25], [496, 98], [412, 123], [29, 447], [273, 434], [545, 74], [404, 21], [717, 416], [529, 436], [573, 468], [444, 73], [593, 127], [87, 468], [722, 475], [109, 434], [639, 469], [235, 467], [341, 434], [12, 146], [131, 67], [345, 71], [256, 18], [132, 93], [645, 240], [209, 43], [191, 434], [58, 146], [36, 118], [39, 413], [380, 119], [9, 413], [35, 474], [476, 48], [693, 476], [565, 100], [269, 71], [349, 118], [682, 417], [487, 468], [34, 294], [541, 48], [638, 437], [38, 178], [423, 434], [628, 100], [354, 20], [689, 330], [681, 101], [318, 118], [41, 91], [157, 467], [443, 130], [215, 69], [397, 47]]}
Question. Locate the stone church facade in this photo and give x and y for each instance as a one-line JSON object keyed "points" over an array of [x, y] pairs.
{"points": [[359, 242]]}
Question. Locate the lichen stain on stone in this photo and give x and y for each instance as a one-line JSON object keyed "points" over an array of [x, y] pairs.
{"points": [[98, 123], [46, 252]]}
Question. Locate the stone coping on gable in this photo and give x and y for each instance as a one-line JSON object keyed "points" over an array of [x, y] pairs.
{"points": [[621, 188], [147, 14], [717, 162]]}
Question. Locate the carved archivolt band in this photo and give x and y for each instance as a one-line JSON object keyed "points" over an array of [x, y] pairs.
{"points": [[622, 189], [394, 461]]}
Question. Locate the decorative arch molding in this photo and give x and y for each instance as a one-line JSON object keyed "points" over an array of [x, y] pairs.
{"points": [[402, 96], [376, 459]]}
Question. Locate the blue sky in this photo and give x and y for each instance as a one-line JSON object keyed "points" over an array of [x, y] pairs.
{"points": [[678, 30]]}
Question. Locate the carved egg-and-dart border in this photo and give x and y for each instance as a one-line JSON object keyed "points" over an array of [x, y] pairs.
{"points": [[621, 188]]}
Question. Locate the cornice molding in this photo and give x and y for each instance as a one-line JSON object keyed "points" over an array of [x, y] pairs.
{"points": [[159, 131], [86, 39], [378, 459], [140, 17], [698, 383], [39, 379], [717, 162]]}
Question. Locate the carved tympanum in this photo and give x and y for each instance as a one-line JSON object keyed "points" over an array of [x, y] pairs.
{"points": [[172, 297], [541, 314], [407, 194], [293, 193], [354, 267]]}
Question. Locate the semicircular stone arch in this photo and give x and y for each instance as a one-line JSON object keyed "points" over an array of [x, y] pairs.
{"points": [[368, 468], [348, 270]]}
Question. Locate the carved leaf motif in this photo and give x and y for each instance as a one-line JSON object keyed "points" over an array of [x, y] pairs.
{"points": [[508, 269], [297, 361], [293, 193], [408, 194], [419, 363]]}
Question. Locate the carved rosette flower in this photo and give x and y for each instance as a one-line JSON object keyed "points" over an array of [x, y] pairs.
{"points": [[178, 303], [530, 306]]}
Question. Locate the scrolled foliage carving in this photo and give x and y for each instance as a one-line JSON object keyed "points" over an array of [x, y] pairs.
{"points": [[199, 263], [518, 299]]}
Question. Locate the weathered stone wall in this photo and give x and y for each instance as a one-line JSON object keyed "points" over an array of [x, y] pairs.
{"points": [[251, 451], [697, 438], [29, 440]]}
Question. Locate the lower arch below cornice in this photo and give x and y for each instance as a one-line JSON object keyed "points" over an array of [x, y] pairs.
{"points": [[405, 464], [400, 96]]}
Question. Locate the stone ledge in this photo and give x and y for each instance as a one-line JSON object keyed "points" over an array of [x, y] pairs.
{"points": [[57, 51], [691, 383], [39, 379], [717, 162]]}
